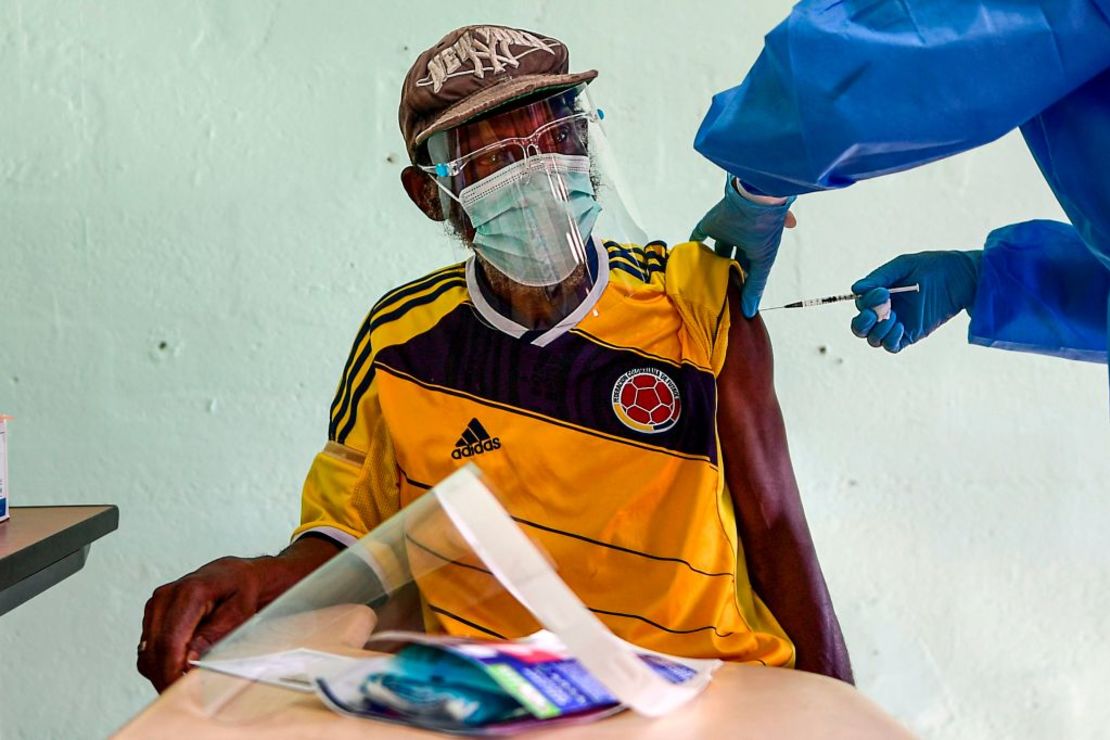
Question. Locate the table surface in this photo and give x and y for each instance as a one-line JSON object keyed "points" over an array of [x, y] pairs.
{"points": [[741, 701], [38, 536]]}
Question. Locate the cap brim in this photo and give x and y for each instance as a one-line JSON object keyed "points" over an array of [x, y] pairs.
{"points": [[496, 96]]}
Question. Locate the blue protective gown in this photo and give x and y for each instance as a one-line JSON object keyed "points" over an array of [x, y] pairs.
{"points": [[851, 89]]}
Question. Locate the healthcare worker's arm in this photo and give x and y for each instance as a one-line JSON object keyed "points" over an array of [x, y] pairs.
{"points": [[1041, 290], [781, 558], [1035, 287], [185, 618], [849, 89]]}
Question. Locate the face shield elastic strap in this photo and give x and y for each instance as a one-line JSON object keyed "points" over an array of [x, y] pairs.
{"points": [[446, 191]]}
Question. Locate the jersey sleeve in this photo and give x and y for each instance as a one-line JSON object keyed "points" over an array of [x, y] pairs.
{"points": [[697, 281], [352, 485], [853, 89], [1041, 290]]}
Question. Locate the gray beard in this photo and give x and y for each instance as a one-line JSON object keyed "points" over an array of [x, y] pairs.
{"points": [[538, 307]]}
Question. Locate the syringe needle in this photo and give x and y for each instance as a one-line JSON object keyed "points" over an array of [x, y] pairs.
{"points": [[841, 298]]}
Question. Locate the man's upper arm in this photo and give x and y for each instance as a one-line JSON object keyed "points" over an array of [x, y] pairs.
{"points": [[749, 361], [750, 424]]}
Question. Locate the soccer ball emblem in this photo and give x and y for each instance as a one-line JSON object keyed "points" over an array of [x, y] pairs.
{"points": [[646, 400]]}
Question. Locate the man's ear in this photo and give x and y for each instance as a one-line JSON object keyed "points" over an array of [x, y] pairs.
{"points": [[423, 192]]}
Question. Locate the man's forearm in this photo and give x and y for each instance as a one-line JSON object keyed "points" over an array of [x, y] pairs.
{"points": [[785, 572], [782, 560], [805, 611], [293, 563]]}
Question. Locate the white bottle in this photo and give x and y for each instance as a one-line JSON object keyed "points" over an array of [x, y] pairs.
{"points": [[4, 467]]}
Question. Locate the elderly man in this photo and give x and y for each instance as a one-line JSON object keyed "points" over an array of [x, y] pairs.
{"points": [[618, 382]]}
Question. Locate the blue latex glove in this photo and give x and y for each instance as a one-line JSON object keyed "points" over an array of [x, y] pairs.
{"points": [[748, 231], [948, 281]]}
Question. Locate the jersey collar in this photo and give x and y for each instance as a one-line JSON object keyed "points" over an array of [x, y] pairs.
{"points": [[499, 321]]}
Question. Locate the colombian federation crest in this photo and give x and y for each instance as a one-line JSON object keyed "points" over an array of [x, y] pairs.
{"points": [[646, 400]]}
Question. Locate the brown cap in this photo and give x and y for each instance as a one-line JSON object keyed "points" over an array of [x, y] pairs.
{"points": [[475, 69]]}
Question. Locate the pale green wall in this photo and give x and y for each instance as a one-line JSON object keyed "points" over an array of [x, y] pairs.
{"points": [[222, 177]]}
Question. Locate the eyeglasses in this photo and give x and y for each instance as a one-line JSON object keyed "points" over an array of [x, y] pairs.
{"points": [[565, 135]]}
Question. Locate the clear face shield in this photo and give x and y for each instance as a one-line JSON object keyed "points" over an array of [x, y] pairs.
{"points": [[452, 564], [539, 187]]}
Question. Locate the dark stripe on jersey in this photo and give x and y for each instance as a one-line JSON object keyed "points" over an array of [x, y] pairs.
{"points": [[647, 261], [611, 546], [659, 626], [415, 286], [637, 255], [628, 264], [373, 321], [467, 622], [546, 420], [635, 350], [571, 381], [349, 407], [444, 558], [645, 620], [652, 261], [397, 293], [415, 483], [642, 272], [390, 298], [617, 245], [635, 272], [546, 528]]}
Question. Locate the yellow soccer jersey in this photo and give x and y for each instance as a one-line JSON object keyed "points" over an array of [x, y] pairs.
{"points": [[608, 420]]}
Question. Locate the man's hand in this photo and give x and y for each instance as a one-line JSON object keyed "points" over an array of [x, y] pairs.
{"points": [[747, 228], [184, 618], [187, 616]]}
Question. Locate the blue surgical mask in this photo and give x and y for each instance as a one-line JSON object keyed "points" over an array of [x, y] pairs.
{"points": [[533, 218]]}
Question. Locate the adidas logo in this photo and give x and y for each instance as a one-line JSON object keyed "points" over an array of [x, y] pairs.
{"points": [[474, 441]]}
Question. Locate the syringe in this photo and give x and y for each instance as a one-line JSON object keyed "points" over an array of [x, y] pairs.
{"points": [[838, 298]]}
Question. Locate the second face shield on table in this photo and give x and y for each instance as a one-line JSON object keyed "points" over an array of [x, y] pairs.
{"points": [[452, 562]]}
